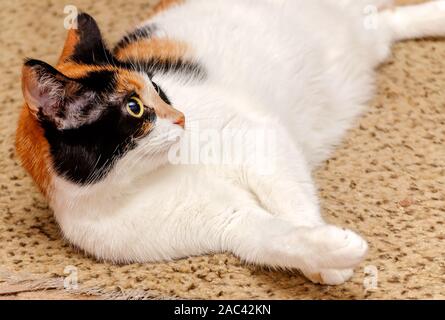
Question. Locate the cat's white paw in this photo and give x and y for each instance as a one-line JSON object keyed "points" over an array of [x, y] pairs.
{"points": [[336, 252], [335, 248], [325, 254], [332, 277], [319, 248]]}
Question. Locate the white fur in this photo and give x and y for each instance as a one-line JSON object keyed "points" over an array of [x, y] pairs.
{"points": [[303, 68]]}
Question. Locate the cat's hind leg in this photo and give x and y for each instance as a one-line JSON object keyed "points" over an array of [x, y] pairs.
{"points": [[415, 21], [400, 23], [290, 231]]}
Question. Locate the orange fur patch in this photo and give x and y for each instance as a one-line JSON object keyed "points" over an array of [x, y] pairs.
{"points": [[165, 4], [127, 82], [75, 70], [70, 45], [155, 48], [33, 150]]}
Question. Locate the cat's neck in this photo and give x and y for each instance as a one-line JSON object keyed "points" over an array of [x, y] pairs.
{"points": [[72, 198]]}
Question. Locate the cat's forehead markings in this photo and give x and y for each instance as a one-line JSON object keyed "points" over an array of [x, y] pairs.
{"points": [[76, 71], [129, 81], [126, 80]]}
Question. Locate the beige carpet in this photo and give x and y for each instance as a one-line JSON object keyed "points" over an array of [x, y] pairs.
{"points": [[387, 181]]}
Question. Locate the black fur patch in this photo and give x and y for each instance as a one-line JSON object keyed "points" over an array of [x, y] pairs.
{"points": [[184, 68], [144, 32], [153, 65], [91, 49], [43, 67], [101, 82], [161, 93]]}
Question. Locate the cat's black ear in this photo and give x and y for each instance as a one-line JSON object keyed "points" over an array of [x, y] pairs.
{"points": [[85, 44], [47, 92]]}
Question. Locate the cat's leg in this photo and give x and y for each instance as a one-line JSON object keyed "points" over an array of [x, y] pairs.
{"points": [[415, 21], [400, 23], [285, 187], [288, 192], [325, 254]]}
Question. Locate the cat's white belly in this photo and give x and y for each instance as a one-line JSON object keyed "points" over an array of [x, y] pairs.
{"points": [[305, 62]]}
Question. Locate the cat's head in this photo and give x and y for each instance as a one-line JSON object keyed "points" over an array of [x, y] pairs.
{"points": [[90, 113]]}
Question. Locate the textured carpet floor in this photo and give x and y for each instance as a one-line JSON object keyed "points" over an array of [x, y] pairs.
{"points": [[387, 181]]}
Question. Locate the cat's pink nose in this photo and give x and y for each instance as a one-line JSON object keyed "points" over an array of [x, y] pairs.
{"points": [[172, 114]]}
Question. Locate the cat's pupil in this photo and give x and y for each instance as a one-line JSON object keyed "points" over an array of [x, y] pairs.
{"points": [[134, 107]]}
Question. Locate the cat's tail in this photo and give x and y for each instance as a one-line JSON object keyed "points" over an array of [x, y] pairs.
{"points": [[415, 21]]}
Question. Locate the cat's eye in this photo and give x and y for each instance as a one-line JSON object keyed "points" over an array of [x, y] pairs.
{"points": [[135, 107]]}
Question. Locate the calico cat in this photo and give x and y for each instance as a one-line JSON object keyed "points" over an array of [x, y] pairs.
{"points": [[101, 132]]}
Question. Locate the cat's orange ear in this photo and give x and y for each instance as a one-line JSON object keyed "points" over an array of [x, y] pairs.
{"points": [[85, 44]]}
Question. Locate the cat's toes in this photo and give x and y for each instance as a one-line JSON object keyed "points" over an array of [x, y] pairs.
{"points": [[337, 248], [332, 277]]}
